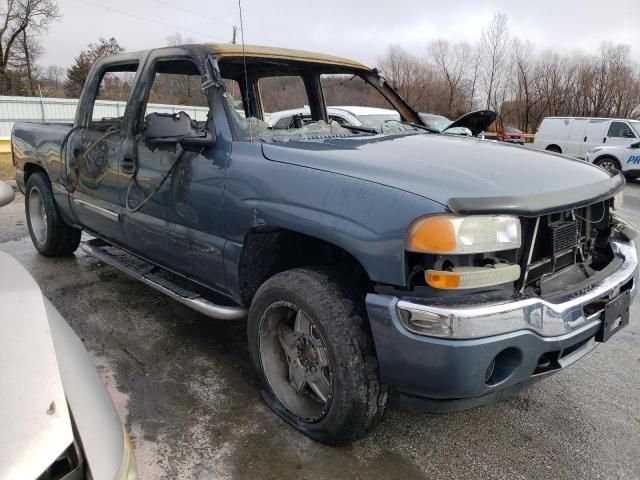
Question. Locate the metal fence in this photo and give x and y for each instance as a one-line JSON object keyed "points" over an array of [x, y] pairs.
{"points": [[63, 110]]}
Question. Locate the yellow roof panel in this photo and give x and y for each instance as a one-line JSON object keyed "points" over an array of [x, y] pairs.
{"points": [[235, 50]]}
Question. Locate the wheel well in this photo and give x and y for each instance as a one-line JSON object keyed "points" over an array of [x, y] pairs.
{"points": [[30, 169], [268, 251], [553, 147]]}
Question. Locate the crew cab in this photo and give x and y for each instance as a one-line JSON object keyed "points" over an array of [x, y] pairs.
{"points": [[450, 270]]}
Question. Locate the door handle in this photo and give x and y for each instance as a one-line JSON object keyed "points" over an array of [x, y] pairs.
{"points": [[127, 165], [604, 140], [585, 139]]}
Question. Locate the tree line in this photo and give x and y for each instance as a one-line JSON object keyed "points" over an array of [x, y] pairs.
{"points": [[503, 73], [499, 72]]}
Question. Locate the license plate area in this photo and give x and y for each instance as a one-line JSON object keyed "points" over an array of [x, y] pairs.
{"points": [[615, 316]]}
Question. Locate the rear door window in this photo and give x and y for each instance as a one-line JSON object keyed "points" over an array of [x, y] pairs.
{"points": [[112, 94]]}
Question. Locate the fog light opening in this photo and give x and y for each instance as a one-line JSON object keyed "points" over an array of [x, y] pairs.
{"points": [[490, 370], [503, 366]]}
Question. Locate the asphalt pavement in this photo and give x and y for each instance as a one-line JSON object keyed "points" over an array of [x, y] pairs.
{"points": [[184, 386]]}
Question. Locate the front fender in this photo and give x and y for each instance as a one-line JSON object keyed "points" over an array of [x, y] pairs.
{"points": [[364, 218]]}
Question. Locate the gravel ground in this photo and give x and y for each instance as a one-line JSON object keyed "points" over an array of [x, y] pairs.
{"points": [[184, 386]]}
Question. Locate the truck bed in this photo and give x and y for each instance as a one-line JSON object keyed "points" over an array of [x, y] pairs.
{"points": [[39, 143]]}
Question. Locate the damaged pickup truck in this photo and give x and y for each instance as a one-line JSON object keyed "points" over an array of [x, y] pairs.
{"points": [[451, 270]]}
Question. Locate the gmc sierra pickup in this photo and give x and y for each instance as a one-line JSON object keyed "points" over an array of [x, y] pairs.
{"points": [[450, 270]]}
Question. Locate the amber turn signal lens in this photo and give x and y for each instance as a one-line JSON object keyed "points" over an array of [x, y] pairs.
{"points": [[433, 234], [443, 280], [472, 277]]}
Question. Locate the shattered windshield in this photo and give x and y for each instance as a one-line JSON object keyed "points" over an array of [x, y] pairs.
{"points": [[286, 94]]}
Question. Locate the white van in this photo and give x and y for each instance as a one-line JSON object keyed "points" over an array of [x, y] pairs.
{"points": [[575, 136]]}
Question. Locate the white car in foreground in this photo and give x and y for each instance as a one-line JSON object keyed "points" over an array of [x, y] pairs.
{"points": [[625, 159], [57, 421]]}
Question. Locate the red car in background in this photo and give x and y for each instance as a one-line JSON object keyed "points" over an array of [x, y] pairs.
{"points": [[511, 135]]}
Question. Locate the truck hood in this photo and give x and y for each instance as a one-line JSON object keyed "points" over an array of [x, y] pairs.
{"points": [[456, 171], [34, 418]]}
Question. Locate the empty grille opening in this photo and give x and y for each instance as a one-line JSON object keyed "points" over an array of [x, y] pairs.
{"points": [[562, 239]]}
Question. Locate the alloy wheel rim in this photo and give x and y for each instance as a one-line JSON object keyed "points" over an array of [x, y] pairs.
{"points": [[38, 215], [607, 165], [295, 360]]}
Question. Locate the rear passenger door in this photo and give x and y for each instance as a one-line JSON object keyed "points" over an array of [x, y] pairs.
{"points": [[181, 225], [95, 146]]}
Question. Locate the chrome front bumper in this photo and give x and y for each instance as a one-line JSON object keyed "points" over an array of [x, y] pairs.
{"points": [[538, 315]]}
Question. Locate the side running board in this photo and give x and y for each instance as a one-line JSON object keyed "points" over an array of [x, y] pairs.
{"points": [[177, 288]]}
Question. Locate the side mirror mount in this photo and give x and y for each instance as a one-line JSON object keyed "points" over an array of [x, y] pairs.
{"points": [[163, 128], [635, 145], [198, 143], [6, 194]]}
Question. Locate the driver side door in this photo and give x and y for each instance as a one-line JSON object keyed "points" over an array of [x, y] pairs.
{"points": [[173, 197], [620, 133]]}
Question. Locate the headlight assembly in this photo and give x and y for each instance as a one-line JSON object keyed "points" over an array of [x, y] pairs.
{"points": [[451, 234]]}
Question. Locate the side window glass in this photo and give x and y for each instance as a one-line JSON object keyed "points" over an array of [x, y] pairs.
{"points": [[620, 130], [176, 88], [111, 97]]}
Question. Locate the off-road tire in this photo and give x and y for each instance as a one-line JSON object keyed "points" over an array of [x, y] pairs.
{"points": [[60, 238], [359, 399]]}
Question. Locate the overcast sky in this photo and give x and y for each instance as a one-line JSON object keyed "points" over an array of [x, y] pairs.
{"points": [[358, 29]]}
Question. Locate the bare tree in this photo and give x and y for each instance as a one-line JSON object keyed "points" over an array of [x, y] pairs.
{"points": [[79, 71], [20, 22], [526, 96], [452, 61], [410, 76], [494, 43], [473, 77]]}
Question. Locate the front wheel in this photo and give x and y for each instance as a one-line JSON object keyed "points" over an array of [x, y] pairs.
{"points": [[314, 355], [608, 163], [50, 235]]}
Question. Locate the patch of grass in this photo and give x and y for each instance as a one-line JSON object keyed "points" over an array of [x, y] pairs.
{"points": [[7, 171]]}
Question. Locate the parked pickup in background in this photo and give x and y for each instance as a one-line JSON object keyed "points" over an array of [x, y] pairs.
{"points": [[451, 270]]}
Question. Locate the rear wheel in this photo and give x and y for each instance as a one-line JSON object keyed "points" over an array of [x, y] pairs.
{"points": [[314, 355], [50, 235], [608, 163]]}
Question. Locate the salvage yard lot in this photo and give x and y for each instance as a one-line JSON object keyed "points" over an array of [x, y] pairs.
{"points": [[184, 386]]}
